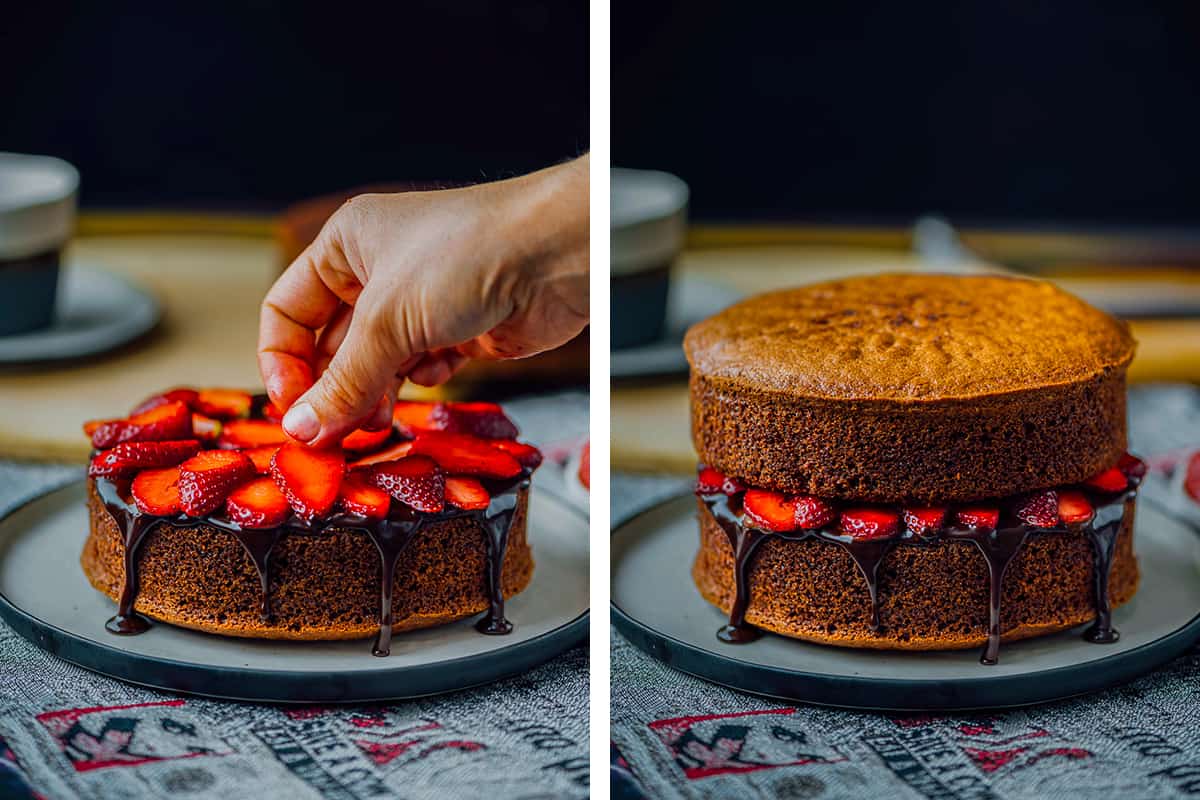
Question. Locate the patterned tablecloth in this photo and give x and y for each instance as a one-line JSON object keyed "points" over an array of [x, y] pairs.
{"points": [[674, 736], [69, 733]]}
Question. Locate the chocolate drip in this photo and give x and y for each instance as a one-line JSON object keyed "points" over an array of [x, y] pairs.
{"points": [[998, 547], [390, 536], [496, 524], [134, 527], [391, 539], [743, 542], [868, 555], [1103, 537], [258, 544]]}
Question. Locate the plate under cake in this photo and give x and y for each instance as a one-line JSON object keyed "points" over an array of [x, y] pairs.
{"points": [[237, 531], [914, 462]]}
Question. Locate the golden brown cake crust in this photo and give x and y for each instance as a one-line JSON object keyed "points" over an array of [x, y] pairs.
{"points": [[932, 597], [897, 388], [322, 587], [909, 337]]}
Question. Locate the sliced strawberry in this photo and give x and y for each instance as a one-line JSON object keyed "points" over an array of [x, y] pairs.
{"points": [[271, 412], [1039, 509], [411, 417], [180, 395], [416, 480], [770, 511], [358, 496], [924, 520], [224, 403], [89, 427], [460, 454], [261, 457], [870, 523], [585, 465], [1111, 480], [813, 512], [365, 441], [156, 491], [257, 503], [205, 428], [1191, 478], [240, 434], [129, 457], [168, 422], [207, 478], [526, 454], [709, 481], [732, 486], [485, 420], [466, 493], [393, 453], [1073, 507], [979, 517], [310, 479], [1132, 466]]}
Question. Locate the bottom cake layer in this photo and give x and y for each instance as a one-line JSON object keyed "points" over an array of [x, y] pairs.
{"points": [[931, 596], [324, 586]]}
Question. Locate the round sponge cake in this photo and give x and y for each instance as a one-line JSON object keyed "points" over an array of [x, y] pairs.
{"points": [[923, 388], [322, 587]]}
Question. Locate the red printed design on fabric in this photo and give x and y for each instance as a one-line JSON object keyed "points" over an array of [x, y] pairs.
{"points": [[126, 736], [414, 742], [992, 748], [745, 741]]}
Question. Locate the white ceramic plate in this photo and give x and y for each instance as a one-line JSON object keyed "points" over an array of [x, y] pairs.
{"points": [[656, 605], [45, 596], [96, 312]]}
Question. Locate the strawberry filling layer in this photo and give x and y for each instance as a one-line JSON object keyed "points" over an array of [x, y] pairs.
{"points": [[1062, 507], [220, 457]]}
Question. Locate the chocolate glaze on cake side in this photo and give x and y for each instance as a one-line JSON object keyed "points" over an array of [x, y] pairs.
{"points": [[999, 547], [390, 536]]}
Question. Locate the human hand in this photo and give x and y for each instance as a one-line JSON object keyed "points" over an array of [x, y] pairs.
{"points": [[411, 285]]}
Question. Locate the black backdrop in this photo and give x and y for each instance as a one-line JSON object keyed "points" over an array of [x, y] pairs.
{"points": [[992, 111], [255, 104]]}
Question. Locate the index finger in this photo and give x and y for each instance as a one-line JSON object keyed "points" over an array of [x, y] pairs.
{"points": [[294, 310]]}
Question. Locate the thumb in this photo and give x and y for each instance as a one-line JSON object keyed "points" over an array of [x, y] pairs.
{"points": [[345, 395]]}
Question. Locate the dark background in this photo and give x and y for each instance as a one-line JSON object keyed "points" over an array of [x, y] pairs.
{"points": [[254, 105], [984, 111]]}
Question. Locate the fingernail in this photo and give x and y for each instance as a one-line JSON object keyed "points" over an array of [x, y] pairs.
{"points": [[301, 422]]}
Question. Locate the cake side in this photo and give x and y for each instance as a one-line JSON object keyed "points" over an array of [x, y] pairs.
{"points": [[931, 597], [889, 451], [322, 587]]}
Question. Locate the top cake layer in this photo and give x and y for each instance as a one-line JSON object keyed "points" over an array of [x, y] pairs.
{"points": [[909, 337], [910, 387]]}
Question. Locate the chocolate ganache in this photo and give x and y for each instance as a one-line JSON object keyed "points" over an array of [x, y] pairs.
{"points": [[999, 546]]}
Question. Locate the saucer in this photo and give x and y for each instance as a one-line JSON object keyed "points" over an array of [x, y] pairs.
{"points": [[97, 311]]}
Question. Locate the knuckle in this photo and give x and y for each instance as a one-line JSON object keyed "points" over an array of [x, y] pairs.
{"points": [[342, 392]]}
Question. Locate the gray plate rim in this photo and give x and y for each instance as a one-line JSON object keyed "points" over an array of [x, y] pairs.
{"points": [[891, 694], [291, 686]]}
